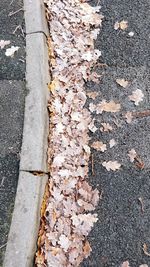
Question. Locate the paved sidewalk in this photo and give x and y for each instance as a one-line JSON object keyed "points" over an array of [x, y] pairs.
{"points": [[12, 95], [123, 227]]}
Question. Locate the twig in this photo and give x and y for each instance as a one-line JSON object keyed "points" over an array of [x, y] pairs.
{"points": [[15, 12], [141, 114], [142, 205], [11, 2], [139, 163], [3, 246]]}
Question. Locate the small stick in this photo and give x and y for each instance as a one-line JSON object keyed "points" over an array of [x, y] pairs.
{"points": [[142, 205], [141, 114], [15, 12]]}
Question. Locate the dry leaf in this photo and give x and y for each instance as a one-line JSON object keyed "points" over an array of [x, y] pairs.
{"points": [[10, 51], [92, 127], [136, 97], [145, 250], [116, 25], [108, 107], [125, 264], [92, 107], [111, 165], [106, 127], [112, 143], [123, 24], [64, 242], [92, 95], [99, 146], [132, 155], [129, 117], [143, 265], [3, 43], [87, 249], [122, 82]]}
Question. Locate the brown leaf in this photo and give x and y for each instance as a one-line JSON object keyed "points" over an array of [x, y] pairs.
{"points": [[92, 95], [132, 155], [122, 82], [137, 96], [106, 127], [108, 107], [125, 264], [111, 165], [99, 146], [123, 24], [145, 250]]}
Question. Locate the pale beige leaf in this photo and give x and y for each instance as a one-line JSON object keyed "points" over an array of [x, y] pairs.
{"points": [[137, 96], [122, 82], [125, 264], [111, 165], [128, 117], [116, 25], [99, 146], [112, 143], [10, 51], [64, 242], [92, 107], [123, 24], [92, 95], [143, 265], [131, 34], [3, 43], [106, 127], [108, 107], [132, 155]]}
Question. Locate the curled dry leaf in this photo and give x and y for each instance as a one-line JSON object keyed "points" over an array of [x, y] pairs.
{"points": [[92, 95], [3, 43], [99, 146], [11, 51], [106, 127], [122, 25], [125, 264], [111, 165], [129, 117], [122, 82], [92, 107], [145, 250], [137, 96], [112, 143], [132, 155], [92, 127], [107, 107]]}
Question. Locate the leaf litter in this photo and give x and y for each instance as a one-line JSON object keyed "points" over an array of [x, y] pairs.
{"points": [[137, 96], [67, 210]]}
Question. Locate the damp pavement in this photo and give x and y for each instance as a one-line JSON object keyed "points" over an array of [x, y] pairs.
{"points": [[124, 222], [12, 95]]}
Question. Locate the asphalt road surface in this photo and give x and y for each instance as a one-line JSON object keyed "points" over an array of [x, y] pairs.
{"points": [[12, 95], [124, 225]]}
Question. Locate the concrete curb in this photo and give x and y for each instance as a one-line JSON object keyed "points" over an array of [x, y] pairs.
{"points": [[21, 245]]}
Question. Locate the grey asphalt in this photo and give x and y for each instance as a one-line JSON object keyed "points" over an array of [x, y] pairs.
{"points": [[12, 95], [122, 228]]}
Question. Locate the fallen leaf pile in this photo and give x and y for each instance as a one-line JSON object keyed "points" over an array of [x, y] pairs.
{"points": [[68, 217]]}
